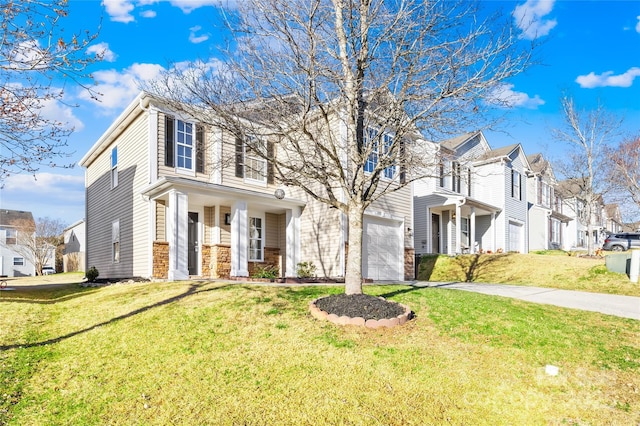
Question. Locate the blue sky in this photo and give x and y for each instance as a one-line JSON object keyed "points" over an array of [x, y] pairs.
{"points": [[590, 50]]}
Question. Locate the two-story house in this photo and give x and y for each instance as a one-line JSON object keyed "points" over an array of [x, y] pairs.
{"points": [[13, 262], [547, 223], [613, 218], [73, 256], [575, 206], [167, 197], [475, 202]]}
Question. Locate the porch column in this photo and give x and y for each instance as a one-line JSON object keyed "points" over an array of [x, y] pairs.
{"points": [[177, 235], [239, 240], [458, 233], [492, 233], [293, 241], [472, 230]]}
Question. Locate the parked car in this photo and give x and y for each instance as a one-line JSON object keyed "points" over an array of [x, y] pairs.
{"points": [[622, 241], [48, 270]]}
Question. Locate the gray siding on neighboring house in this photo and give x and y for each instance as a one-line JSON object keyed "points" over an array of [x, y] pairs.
{"points": [[483, 234], [515, 210]]}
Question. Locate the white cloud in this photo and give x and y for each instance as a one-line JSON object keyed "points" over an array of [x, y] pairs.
{"points": [[529, 17], [148, 14], [51, 195], [608, 79], [193, 38], [119, 10], [60, 112], [102, 49], [188, 6], [638, 25], [504, 96], [118, 88]]}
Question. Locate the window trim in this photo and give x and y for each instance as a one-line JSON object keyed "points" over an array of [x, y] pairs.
{"points": [[171, 145], [516, 184], [114, 167], [115, 241], [18, 261], [260, 238], [371, 133], [261, 163]]}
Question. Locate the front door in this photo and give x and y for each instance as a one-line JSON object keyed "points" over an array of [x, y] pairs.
{"points": [[193, 243], [435, 233]]}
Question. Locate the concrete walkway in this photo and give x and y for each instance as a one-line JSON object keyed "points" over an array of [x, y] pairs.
{"points": [[610, 304]]}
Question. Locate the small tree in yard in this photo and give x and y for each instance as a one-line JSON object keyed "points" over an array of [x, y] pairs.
{"points": [[37, 242], [385, 72], [35, 54], [624, 172], [586, 135]]}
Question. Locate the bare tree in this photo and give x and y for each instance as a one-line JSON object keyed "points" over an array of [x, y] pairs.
{"points": [[37, 57], [37, 242], [586, 135], [385, 72], [625, 170]]}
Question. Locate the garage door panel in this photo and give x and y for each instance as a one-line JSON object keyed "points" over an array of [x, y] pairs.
{"points": [[383, 251]]}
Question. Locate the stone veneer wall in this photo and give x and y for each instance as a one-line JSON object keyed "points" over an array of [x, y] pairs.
{"points": [[220, 261], [160, 259], [206, 260], [409, 264], [271, 259]]}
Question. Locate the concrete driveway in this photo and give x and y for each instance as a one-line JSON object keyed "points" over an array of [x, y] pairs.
{"points": [[610, 304]]}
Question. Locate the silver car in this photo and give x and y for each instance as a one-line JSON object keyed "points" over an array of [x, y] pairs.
{"points": [[622, 241]]}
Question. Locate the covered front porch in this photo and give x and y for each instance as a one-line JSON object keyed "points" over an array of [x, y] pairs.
{"points": [[460, 224], [213, 231]]}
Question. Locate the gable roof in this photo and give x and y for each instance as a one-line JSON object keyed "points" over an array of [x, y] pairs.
{"points": [[453, 143], [15, 217]]}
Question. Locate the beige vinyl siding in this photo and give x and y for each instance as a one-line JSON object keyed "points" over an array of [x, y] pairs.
{"points": [[320, 238], [398, 204], [161, 221], [209, 224], [272, 230], [122, 203], [225, 230]]}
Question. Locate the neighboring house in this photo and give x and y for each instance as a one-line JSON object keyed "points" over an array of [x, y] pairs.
{"points": [[476, 201], [613, 219], [73, 257], [574, 205], [547, 223], [169, 198], [12, 262]]}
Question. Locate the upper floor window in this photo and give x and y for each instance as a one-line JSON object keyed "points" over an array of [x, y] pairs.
{"points": [[378, 145], [515, 184], [11, 235], [251, 159], [114, 167], [544, 194], [441, 173], [184, 145], [18, 261]]}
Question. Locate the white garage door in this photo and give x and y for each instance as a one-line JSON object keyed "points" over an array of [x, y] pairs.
{"points": [[383, 256]]}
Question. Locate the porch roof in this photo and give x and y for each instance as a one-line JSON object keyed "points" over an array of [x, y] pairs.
{"points": [[204, 192], [447, 199]]}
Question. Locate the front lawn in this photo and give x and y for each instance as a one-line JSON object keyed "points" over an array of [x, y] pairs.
{"points": [[209, 353], [553, 269]]}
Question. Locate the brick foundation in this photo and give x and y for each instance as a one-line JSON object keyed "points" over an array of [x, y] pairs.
{"points": [[409, 264]]}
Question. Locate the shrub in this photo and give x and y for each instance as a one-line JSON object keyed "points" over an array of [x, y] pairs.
{"points": [[306, 270], [92, 274], [268, 271]]}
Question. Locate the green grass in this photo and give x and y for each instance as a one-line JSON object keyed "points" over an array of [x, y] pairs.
{"points": [[206, 353], [553, 269]]}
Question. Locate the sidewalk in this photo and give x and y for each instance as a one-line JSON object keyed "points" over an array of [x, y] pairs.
{"points": [[610, 304]]}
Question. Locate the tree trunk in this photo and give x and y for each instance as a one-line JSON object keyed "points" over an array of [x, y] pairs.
{"points": [[353, 273]]}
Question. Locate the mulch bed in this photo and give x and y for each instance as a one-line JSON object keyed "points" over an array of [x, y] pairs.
{"points": [[359, 305]]}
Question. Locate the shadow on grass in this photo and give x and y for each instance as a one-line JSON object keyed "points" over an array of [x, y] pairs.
{"points": [[45, 294], [474, 265], [193, 289]]}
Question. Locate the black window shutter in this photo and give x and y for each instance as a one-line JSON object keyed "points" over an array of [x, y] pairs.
{"points": [[199, 149], [168, 141], [403, 169], [239, 158], [270, 168]]}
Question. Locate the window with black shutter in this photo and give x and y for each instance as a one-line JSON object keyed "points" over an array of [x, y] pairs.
{"points": [[199, 149], [168, 141]]}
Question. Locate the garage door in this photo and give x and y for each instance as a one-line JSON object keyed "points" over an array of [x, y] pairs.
{"points": [[383, 250]]}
